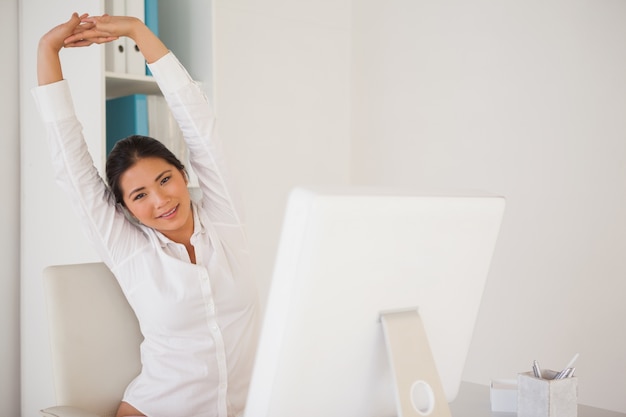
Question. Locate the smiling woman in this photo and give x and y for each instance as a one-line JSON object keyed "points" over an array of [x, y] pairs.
{"points": [[151, 183], [182, 264], [156, 194]]}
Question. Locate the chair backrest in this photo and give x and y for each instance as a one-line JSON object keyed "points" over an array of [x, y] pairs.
{"points": [[94, 336]]}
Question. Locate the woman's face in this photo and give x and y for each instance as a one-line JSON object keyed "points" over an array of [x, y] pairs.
{"points": [[156, 193]]}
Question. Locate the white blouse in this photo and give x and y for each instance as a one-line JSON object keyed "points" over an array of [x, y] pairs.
{"points": [[199, 321]]}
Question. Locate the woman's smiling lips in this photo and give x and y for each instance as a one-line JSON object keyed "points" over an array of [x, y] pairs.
{"points": [[168, 214]]}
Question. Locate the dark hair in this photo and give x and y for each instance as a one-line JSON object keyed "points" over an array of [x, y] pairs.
{"points": [[127, 152]]}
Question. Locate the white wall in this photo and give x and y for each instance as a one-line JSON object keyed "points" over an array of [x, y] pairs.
{"points": [[282, 87], [9, 213], [49, 231], [526, 99]]}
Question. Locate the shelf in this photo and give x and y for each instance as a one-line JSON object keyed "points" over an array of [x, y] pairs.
{"points": [[118, 85]]}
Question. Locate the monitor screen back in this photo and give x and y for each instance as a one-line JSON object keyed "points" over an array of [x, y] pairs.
{"points": [[344, 256]]}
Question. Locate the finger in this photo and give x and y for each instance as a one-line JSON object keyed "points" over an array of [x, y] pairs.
{"points": [[89, 41], [91, 19], [78, 43], [73, 39], [104, 39], [74, 20], [83, 27], [87, 34]]}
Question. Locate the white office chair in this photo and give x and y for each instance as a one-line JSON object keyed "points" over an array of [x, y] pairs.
{"points": [[94, 337]]}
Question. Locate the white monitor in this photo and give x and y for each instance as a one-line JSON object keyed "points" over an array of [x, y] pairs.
{"points": [[345, 256]]}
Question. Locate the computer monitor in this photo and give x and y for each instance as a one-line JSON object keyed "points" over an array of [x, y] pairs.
{"points": [[346, 255]]}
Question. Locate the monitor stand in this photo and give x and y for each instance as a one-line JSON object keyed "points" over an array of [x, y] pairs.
{"points": [[417, 384]]}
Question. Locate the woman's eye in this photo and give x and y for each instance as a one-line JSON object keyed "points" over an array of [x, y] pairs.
{"points": [[164, 180], [139, 196]]}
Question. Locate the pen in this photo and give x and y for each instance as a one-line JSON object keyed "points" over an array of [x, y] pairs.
{"points": [[571, 362], [564, 373], [536, 369], [568, 370]]}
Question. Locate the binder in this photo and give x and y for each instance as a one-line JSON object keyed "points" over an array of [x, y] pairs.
{"points": [[115, 51], [135, 63], [163, 127], [147, 115], [125, 116], [152, 20], [141, 114]]}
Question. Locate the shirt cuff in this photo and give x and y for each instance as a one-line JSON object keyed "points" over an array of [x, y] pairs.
{"points": [[54, 101], [170, 73]]}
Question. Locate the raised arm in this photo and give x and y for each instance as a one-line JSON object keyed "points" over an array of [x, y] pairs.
{"points": [[48, 62], [113, 235]]}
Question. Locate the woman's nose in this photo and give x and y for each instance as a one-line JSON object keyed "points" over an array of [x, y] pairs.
{"points": [[160, 198]]}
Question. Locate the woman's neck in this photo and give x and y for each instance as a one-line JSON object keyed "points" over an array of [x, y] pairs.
{"points": [[183, 236]]}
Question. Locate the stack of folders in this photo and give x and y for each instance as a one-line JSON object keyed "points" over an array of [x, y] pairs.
{"points": [[122, 56], [147, 115]]}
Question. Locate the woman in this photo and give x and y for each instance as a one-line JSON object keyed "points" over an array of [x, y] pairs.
{"points": [[183, 265]]}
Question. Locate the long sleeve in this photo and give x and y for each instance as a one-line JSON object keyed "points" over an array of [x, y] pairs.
{"points": [[113, 236], [196, 118]]}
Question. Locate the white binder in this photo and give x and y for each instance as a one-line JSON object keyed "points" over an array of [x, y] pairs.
{"points": [[135, 62], [115, 51], [163, 127]]}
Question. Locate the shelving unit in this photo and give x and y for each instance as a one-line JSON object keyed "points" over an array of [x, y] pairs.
{"points": [[192, 46], [183, 28], [118, 85]]}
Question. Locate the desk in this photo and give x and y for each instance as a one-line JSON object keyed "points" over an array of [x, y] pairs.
{"points": [[473, 401]]}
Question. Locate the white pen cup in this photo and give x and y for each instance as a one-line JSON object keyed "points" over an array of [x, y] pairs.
{"points": [[546, 397]]}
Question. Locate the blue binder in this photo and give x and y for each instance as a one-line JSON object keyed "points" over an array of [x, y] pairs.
{"points": [[152, 20], [125, 116]]}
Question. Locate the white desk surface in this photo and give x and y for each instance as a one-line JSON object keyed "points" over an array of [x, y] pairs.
{"points": [[473, 401]]}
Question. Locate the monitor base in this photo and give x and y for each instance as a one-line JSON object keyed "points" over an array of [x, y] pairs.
{"points": [[418, 387]]}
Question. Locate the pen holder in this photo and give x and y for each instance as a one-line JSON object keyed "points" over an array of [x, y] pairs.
{"points": [[545, 397]]}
